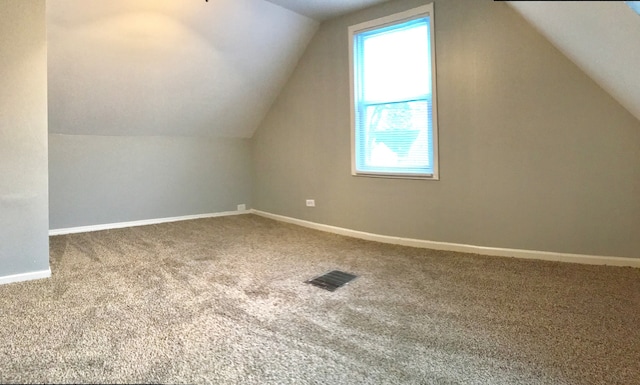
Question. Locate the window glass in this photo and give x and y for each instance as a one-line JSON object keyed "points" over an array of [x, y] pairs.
{"points": [[394, 130]]}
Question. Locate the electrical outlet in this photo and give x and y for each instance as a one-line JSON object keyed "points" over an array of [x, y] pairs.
{"points": [[311, 203], [242, 207]]}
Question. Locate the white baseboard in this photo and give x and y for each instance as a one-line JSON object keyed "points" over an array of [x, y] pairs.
{"points": [[492, 251], [25, 276], [110, 226]]}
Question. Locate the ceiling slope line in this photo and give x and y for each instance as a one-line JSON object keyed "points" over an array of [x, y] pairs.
{"points": [[599, 37]]}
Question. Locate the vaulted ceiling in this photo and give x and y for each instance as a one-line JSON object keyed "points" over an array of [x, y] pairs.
{"points": [[174, 67], [601, 37], [325, 9], [168, 67], [196, 68]]}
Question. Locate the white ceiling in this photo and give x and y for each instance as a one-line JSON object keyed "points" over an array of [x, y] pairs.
{"points": [[601, 37], [175, 67], [168, 67], [325, 9], [196, 68]]}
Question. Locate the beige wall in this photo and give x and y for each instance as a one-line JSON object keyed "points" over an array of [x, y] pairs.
{"points": [[24, 241], [533, 154], [112, 179]]}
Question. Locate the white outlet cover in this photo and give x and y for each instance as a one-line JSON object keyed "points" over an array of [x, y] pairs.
{"points": [[242, 207], [311, 203]]}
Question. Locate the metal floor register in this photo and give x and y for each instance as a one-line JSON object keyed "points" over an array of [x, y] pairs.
{"points": [[332, 280]]}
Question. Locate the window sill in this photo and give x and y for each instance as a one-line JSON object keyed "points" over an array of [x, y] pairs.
{"points": [[396, 176]]}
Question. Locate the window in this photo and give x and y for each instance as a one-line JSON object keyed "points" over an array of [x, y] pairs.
{"points": [[635, 5], [393, 101]]}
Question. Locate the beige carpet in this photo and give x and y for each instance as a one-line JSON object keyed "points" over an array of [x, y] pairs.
{"points": [[222, 301]]}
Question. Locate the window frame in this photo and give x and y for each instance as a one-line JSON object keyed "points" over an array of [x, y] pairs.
{"points": [[377, 24]]}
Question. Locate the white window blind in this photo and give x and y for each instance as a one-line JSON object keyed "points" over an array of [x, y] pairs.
{"points": [[393, 96]]}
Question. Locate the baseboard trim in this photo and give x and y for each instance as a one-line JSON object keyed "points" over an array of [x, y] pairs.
{"points": [[25, 276], [145, 222], [464, 248]]}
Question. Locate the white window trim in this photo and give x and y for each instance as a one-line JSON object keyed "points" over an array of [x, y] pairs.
{"points": [[425, 10]]}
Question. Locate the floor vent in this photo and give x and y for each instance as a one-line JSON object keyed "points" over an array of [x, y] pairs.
{"points": [[332, 280]]}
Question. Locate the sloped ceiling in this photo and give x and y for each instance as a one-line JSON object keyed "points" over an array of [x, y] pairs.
{"points": [[601, 37], [168, 67], [325, 9], [175, 67]]}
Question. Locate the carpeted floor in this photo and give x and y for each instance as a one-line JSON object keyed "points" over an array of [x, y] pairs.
{"points": [[222, 301]]}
